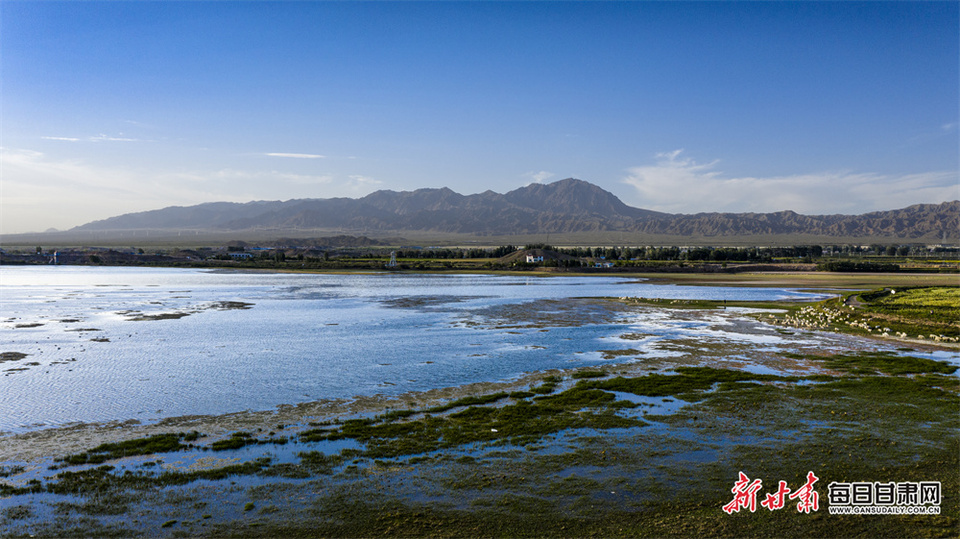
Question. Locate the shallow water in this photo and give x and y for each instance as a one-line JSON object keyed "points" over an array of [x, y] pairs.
{"points": [[108, 344]]}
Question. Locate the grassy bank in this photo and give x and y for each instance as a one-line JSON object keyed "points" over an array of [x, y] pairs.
{"points": [[814, 280], [924, 314], [917, 315]]}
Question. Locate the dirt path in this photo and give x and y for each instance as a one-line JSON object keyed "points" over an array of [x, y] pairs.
{"points": [[853, 300]]}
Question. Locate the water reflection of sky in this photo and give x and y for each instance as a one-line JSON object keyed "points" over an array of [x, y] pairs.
{"points": [[311, 337]]}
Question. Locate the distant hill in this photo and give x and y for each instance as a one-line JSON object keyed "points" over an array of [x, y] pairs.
{"points": [[564, 206]]}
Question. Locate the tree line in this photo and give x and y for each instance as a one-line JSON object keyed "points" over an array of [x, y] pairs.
{"points": [[804, 253]]}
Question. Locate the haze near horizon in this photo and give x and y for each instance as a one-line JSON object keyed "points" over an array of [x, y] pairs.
{"points": [[816, 107]]}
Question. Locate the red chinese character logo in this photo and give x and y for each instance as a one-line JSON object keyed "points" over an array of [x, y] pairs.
{"points": [[809, 499], [777, 500], [744, 495]]}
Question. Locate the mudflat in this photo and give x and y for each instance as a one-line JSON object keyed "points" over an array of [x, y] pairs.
{"points": [[652, 447]]}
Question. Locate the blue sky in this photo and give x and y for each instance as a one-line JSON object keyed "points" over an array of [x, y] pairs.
{"points": [[816, 107]]}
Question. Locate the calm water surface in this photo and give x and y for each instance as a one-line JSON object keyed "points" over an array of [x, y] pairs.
{"points": [[137, 343]]}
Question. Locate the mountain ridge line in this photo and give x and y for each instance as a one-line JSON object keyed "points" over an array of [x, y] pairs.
{"points": [[564, 206]]}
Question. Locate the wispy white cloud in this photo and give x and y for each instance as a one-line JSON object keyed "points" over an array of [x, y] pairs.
{"points": [[679, 184], [33, 168], [40, 191], [139, 124], [358, 182], [263, 177], [296, 155], [97, 138], [107, 138], [539, 177]]}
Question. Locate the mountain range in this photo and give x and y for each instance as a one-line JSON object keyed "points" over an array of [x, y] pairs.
{"points": [[565, 206]]}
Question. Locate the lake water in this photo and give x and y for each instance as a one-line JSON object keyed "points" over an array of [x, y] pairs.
{"points": [[107, 344]]}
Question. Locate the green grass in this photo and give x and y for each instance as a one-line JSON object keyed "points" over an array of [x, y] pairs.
{"points": [[931, 310], [468, 401], [933, 297], [7, 471], [318, 462], [159, 443], [688, 384], [101, 479], [579, 375], [520, 422], [235, 441], [883, 362], [931, 314]]}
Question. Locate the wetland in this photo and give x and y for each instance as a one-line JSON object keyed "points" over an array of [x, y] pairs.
{"points": [[184, 403]]}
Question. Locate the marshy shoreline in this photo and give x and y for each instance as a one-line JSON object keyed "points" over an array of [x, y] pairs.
{"points": [[558, 458], [621, 449]]}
